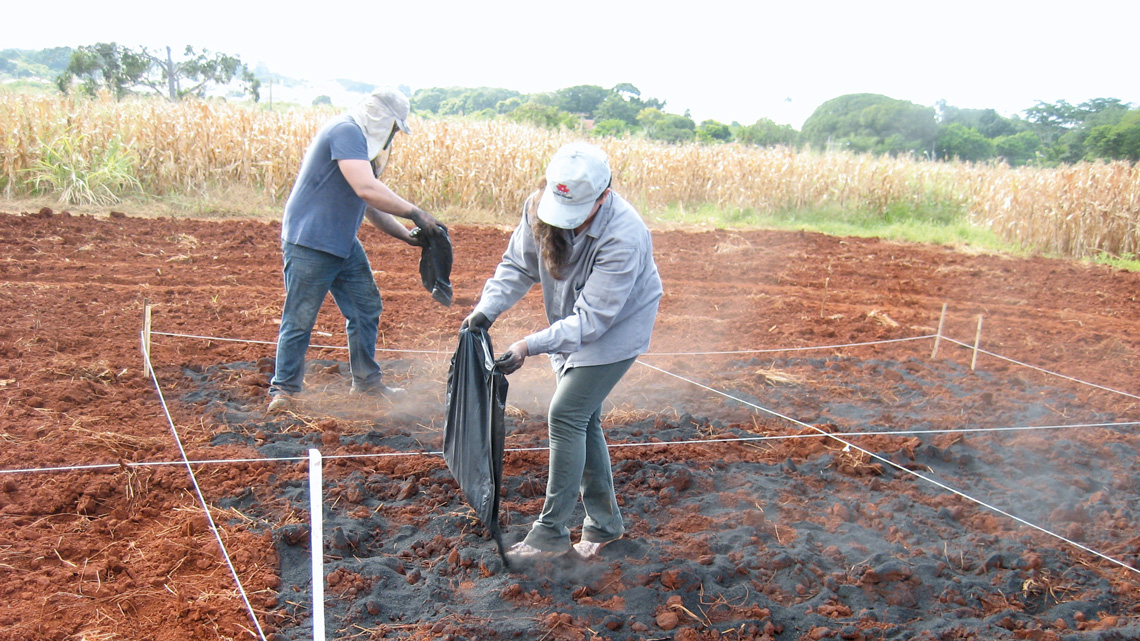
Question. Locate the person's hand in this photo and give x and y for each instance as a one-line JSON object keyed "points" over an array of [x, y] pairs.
{"points": [[513, 358], [425, 221], [417, 237], [475, 321]]}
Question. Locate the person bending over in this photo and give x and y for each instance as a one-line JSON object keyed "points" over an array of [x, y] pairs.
{"points": [[337, 188], [593, 255]]}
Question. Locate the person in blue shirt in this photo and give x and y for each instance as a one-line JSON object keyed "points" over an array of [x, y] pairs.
{"points": [[337, 188]]}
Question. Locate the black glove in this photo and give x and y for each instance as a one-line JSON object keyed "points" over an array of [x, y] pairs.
{"points": [[419, 237], [426, 222], [509, 362], [476, 321]]}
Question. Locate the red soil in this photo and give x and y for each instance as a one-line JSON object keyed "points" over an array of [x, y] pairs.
{"points": [[781, 539]]}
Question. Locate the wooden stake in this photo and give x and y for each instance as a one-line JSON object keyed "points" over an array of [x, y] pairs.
{"points": [[977, 341], [146, 338], [938, 337]]}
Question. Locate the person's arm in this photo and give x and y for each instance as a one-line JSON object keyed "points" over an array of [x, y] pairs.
{"points": [[376, 194], [388, 224]]}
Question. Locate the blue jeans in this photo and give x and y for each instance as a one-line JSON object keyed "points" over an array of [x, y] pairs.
{"points": [[310, 274], [579, 460]]}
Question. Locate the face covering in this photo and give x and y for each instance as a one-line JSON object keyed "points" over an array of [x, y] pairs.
{"points": [[381, 160], [378, 117]]}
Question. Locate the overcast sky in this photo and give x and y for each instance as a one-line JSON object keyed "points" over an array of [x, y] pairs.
{"points": [[729, 60]]}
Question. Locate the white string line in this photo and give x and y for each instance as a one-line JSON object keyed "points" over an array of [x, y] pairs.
{"points": [[710, 353], [424, 351], [847, 445], [1043, 370], [202, 498], [792, 349], [751, 351], [243, 340], [741, 439]]}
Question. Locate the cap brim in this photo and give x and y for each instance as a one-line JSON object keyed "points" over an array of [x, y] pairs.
{"points": [[403, 125], [556, 214]]}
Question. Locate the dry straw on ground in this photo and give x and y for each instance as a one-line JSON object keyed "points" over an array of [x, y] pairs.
{"points": [[488, 168]]}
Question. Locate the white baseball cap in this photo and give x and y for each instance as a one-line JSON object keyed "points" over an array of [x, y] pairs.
{"points": [[577, 174]]}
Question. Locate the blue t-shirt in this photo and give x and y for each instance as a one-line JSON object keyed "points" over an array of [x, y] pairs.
{"points": [[323, 212]]}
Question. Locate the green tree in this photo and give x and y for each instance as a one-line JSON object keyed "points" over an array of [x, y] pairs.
{"points": [[118, 70], [544, 116], [610, 127], [581, 99], [1120, 141], [322, 100], [902, 126], [1052, 120], [471, 101], [713, 131], [103, 66], [508, 105], [672, 128], [766, 133], [872, 122], [429, 99], [626, 90], [615, 107], [956, 140], [1064, 128], [1018, 149], [458, 101], [195, 71], [649, 116], [987, 122]]}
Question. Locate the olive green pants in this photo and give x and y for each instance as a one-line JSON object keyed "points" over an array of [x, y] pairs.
{"points": [[579, 460]]}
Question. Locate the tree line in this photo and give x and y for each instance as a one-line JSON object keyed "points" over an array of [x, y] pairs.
{"points": [[1046, 134], [120, 71], [1049, 133]]}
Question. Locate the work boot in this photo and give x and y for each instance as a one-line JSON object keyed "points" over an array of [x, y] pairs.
{"points": [[279, 403], [379, 390], [522, 551], [589, 549]]}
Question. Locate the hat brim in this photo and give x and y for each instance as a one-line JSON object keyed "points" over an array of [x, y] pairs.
{"points": [[403, 125], [561, 215]]}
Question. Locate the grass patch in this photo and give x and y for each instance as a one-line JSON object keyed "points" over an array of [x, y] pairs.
{"points": [[937, 223], [81, 173], [1128, 262]]}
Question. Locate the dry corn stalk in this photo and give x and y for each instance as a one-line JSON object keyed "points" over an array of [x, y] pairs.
{"points": [[491, 166]]}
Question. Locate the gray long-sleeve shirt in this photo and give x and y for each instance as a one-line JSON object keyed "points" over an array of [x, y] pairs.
{"points": [[603, 309]]}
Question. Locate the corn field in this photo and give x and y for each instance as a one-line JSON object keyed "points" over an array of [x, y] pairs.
{"points": [[490, 167]]}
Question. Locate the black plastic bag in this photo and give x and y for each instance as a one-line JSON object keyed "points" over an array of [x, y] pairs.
{"points": [[474, 432], [435, 264]]}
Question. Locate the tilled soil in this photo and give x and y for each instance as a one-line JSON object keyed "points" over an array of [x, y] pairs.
{"points": [[929, 513]]}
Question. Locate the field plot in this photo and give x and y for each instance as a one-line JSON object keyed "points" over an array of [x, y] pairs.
{"points": [[932, 510]]}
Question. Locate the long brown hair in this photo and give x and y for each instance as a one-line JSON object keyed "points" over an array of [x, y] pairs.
{"points": [[553, 244]]}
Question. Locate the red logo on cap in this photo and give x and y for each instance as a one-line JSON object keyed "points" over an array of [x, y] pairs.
{"points": [[562, 189]]}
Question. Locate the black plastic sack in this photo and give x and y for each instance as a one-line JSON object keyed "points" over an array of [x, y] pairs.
{"points": [[474, 432], [435, 265]]}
